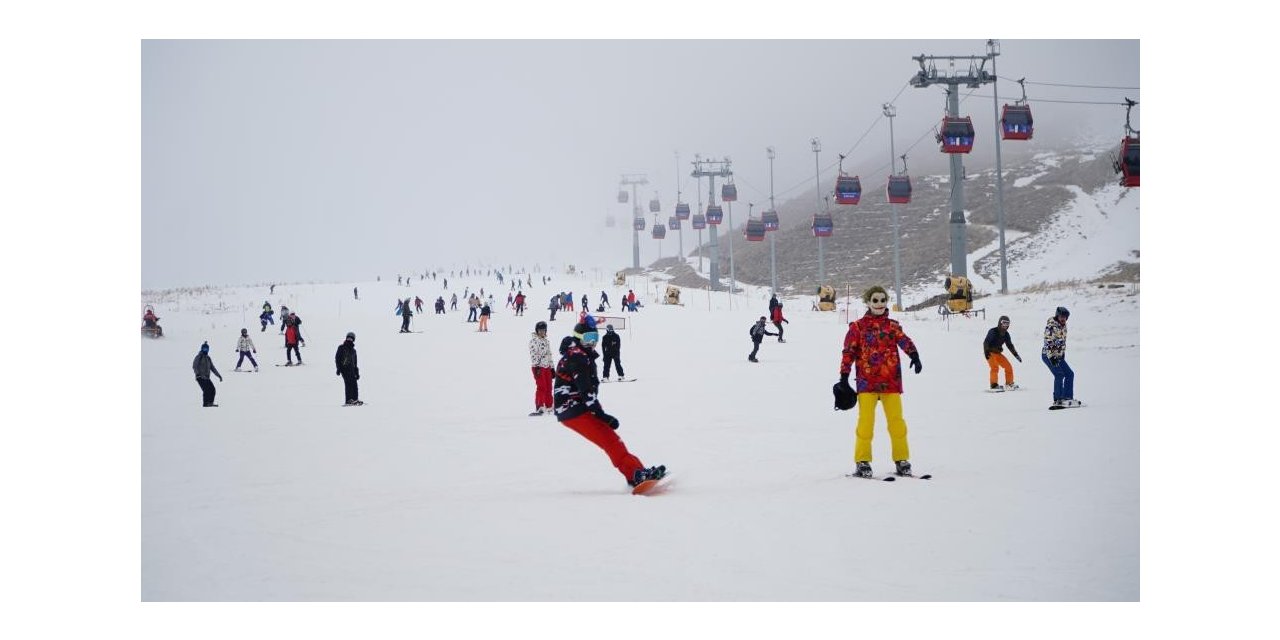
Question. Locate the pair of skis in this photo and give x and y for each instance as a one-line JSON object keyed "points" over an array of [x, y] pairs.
{"points": [[891, 478]]}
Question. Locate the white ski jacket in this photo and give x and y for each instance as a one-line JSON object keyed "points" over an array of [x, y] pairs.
{"points": [[540, 352]]}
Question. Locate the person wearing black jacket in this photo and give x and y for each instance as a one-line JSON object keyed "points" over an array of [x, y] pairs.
{"points": [[993, 350], [345, 361], [758, 332], [611, 345], [577, 403]]}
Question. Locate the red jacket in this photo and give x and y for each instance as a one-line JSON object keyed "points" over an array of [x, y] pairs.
{"points": [[777, 314], [872, 343]]}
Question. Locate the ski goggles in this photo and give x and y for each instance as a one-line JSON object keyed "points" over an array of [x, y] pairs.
{"points": [[590, 337]]}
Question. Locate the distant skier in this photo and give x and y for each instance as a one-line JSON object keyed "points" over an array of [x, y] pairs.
{"points": [[757, 333], [203, 366], [355, 291], [405, 314], [439, 305], [775, 313], [453, 302], [246, 349], [291, 319], [273, 290], [543, 365], [993, 350], [345, 361], [611, 346], [1054, 356], [586, 306], [485, 312], [578, 407], [871, 347], [519, 301], [604, 300], [151, 323], [554, 305], [266, 316], [417, 304], [291, 338]]}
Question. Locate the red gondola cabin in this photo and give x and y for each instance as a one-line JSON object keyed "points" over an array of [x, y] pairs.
{"points": [[659, 231], [1128, 163], [770, 220], [755, 230], [822, 226], [899, 189], [682, 211], [848, 189], [956, 134], [729, 192], [715, 214], [699, 221], [1016, 122]]}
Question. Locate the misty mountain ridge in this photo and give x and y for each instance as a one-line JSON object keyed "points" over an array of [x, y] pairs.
{"points": [[1053, 200]]}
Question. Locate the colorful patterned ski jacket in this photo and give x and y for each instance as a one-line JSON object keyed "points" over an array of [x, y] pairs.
{"points": [[1055, 339], [540, 352], [577, 383], [872, 344]]}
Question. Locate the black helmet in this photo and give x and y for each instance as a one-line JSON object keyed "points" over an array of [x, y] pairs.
{"points": [[541, 326], [351, 335], [1062, 311]]}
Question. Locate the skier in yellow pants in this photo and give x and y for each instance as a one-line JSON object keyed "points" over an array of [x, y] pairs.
{"points": [[872, 344]]}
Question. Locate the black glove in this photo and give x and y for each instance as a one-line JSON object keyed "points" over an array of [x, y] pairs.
{"points": [[219, 377], [1018, 357], [609, 420], [915, 362], [845, 396], [986, 354]]}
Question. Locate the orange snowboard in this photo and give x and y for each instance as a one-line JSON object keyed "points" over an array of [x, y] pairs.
{"points": [[650, 487]]}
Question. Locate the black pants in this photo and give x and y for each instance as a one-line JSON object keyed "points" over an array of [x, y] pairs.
{"points": [[404, 324], [754, 350], [206, 386], [553, 314], [290, 350], [779, 326], [352, 390], [615, 360]]}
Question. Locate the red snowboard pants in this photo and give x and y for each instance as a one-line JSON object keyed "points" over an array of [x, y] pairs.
{"points": [[591, 427], [542, 394]]}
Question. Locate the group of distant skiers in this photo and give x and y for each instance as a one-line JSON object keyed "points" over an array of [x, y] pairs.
{"points": [[569, 386]]}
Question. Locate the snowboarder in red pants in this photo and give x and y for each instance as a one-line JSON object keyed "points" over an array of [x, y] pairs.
{"points": [[577, 404]]}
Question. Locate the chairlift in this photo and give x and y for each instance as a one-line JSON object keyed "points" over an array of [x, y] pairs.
{"points": [[956, 134], [755, 230], [699, 221], [682, 211], [770, 220], [822, 225], [715, 214]]}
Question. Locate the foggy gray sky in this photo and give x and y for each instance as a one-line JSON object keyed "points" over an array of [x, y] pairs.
{"points": [[343, 160]]}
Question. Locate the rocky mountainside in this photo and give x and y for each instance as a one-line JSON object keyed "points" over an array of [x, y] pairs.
{"points": [[1037, 190]]}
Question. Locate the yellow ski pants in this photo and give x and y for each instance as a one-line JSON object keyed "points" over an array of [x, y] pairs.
{"points": [[867, 422]]}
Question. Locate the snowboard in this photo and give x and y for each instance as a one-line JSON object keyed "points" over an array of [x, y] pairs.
{"points": [[290, 365], [652, 487], [1003, 389], [357, 403], [244, 371], [1074, 404], [618, 380]]}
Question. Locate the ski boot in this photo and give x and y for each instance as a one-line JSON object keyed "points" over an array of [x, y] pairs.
{"points": [[863, 470], [903, 467]]}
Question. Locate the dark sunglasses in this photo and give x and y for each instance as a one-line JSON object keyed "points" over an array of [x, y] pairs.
{"points": [[876, 299]]}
